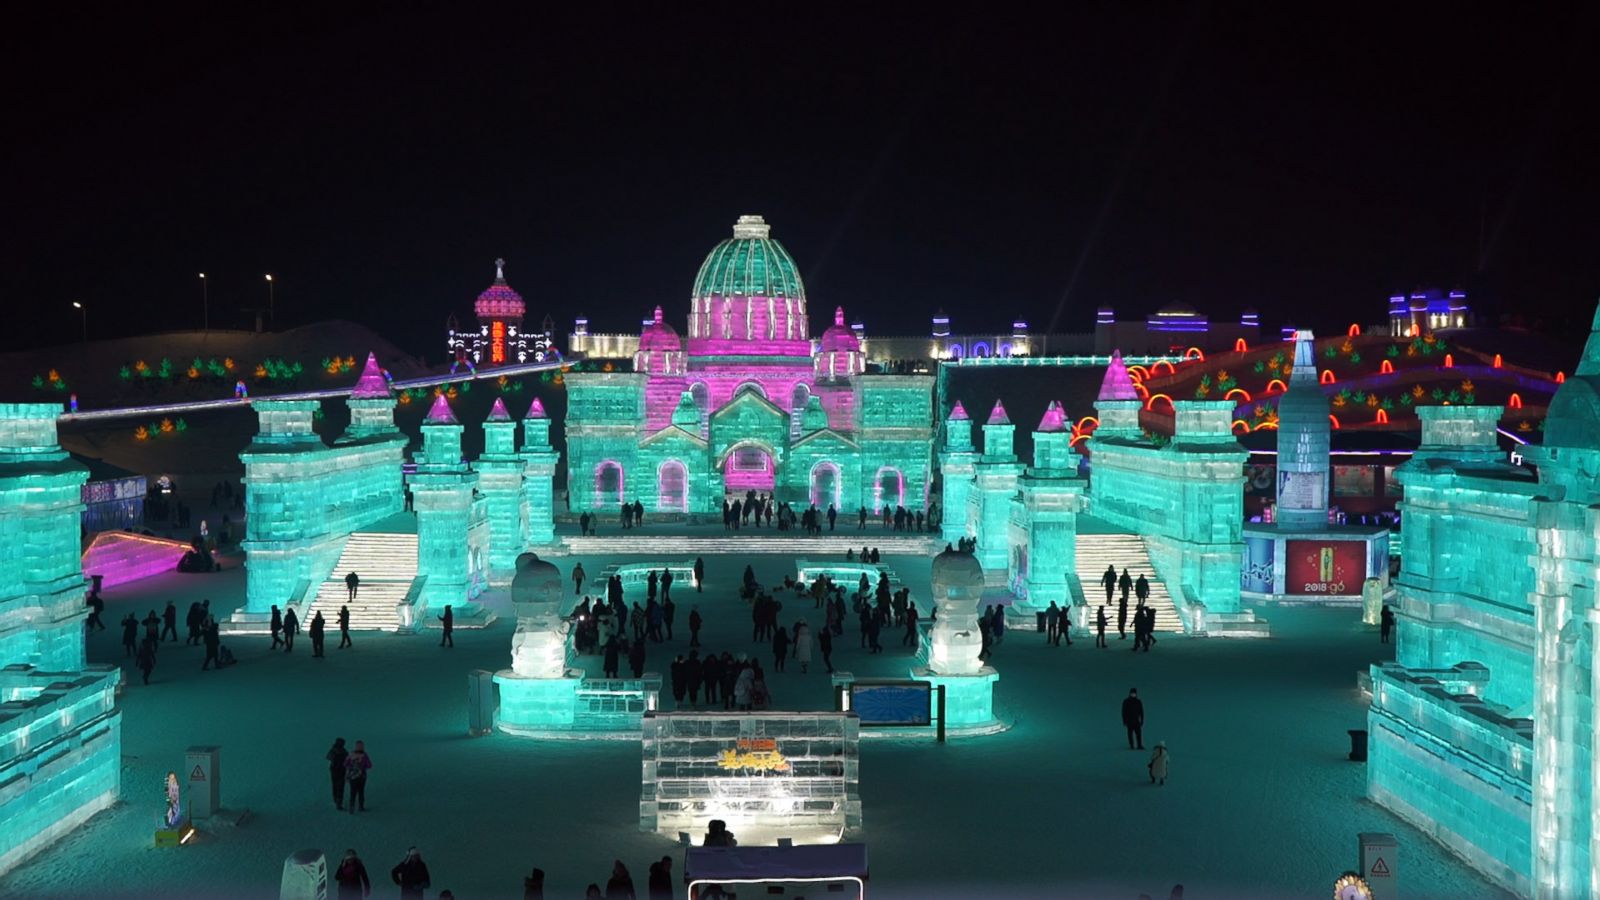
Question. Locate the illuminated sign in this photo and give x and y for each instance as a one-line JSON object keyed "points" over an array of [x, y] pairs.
{"points": [[754, 755], [1324, 567], [497, 342]]}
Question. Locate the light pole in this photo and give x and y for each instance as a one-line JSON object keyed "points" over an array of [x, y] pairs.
{"points": [[205, 304], [84, 312], [272, 309]]}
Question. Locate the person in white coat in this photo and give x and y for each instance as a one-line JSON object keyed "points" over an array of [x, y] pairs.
{"points": [[1158, 764], [743, 687], [802, 645]]}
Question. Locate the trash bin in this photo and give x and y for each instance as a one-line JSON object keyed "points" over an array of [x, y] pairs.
{"points": [[1039, 620], [1358, 745]]}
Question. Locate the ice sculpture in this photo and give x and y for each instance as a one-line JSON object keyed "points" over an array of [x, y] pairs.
{"points": [[1303, 436], [955, 643], [1044, 525], [443, 489], [538, 474], [60, 730], [500, 474], [538, 693], [994, 484]]}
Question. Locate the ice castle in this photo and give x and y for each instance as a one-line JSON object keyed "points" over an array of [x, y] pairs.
{"points": [[747, 401], [1483, 730]]}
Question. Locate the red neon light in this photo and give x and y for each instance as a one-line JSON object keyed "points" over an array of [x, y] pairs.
{"points": [[1515, 402], [1088, 419], [1561, 378], [1449, 361], [1151, 403], [1194, 353], [1387, 368], [1229, 395], [1280, 386], [1498, 362], [1335, 420], [497, 342], [1239, 345], [1383, 417], [1144, 392], [1355, 330], [1240, 422], [1327, 377]]}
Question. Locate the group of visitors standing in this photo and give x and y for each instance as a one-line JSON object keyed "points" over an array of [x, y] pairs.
{"points": [[202, 630]]}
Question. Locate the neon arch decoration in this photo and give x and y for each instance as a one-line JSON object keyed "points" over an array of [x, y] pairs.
{"points": [[608, 483], [1151, 403]]}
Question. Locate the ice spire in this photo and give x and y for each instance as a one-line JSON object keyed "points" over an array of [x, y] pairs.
{"points": [[497, 412], [997, 416], [1055, 418], [959, 413], [1118, 384], [536, 410], [1305, 358], [440, 413], [371, 384]]}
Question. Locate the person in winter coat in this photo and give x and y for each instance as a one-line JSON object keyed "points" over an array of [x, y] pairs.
{"points": [[711, 677], [669, 608], [695, 621], [780, 648], [291, 627], [661, 879], [1158, 764], [825, 645], [743, 687], [802, 645], [613, 650], [593, 893], [336, 759], [636, 659], [1385, 624], [208, 633], [351, 876], [146, 660], [577, 578], [130, 635], [152, 626], [693, 675], [620, 887], [680, 687], [730, 676], [411, 874], [1100, 628], [169, 617], [533, 885], [699, 573], [317, 630], [193, 620], [344, 627], [356, 766], [277, 628], [1133, 719], [718, 835], [448, 623]]}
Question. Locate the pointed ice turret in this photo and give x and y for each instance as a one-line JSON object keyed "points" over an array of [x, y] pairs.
{"points": [[536, 427], [1303, 443], [687, 415], [1118, 403], [1055, 418], [958, 429], [998, 435], [536, 409], [1052, 440], [371, 384], [440, 413], [497, 412], [499, 434], [1118, 384]]}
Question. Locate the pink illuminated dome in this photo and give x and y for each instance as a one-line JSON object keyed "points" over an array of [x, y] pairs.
{"points": [[839, 338], [660, 336], [500, 301]]}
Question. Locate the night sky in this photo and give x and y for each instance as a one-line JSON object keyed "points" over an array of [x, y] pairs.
{"points": [[993, 163]]}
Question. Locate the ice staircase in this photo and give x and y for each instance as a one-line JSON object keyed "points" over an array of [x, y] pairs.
{"points": [[386, 564], [1125, 551]]}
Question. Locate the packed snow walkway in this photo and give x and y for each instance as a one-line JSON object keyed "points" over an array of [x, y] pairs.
{"points": [[1260, 802]]}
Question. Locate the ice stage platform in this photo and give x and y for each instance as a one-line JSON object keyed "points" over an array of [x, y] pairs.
{"points": [[711, 541]]}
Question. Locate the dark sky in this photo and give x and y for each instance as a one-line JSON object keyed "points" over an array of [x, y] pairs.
{"points": [[1306, 160]]}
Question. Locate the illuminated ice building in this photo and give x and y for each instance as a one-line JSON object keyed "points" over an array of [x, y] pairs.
{"points": [[1483, 731], [746, 401], [498, 335]]}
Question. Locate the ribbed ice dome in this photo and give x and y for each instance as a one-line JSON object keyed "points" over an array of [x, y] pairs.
{"points": [[660, 336], [840, 338], [749, 264], [499, 301]]}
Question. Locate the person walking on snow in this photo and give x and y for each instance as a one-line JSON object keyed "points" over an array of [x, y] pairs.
{"points": [[213, 641], [147, 658], [130, 635], [1100, 628], [336, 757], [825, 645], [577, 578], [317, 630], [695, 621], [344, 627], [669, 609], [1158, 764], [169, 617], [666, 587], [802, 645], [1133, 719], [291, 627], [1109, 582], [356, 767], [351, 876], [780, 648], [277, 628], [351, 582], [699, 574], [1385, 624], [411, 874], [449, 620]]}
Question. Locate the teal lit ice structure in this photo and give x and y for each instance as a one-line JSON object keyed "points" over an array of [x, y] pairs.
{"points": [[538, 478], [500, 471], [748, 402], [452, 520], [60, 730], [1304, 431], [957, 465], [538, 694], [1185, 498], [304, 498], [954, 644], [1044, 522], [994, 484]]}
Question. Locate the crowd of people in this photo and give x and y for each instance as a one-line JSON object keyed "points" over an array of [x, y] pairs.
{"points": [[158, 629]]}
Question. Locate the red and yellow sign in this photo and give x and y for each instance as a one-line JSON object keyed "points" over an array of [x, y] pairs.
{"points": [[1325, 567], [497, 342], [754, 754]]}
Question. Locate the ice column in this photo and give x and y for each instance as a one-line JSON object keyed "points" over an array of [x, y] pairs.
{"points": [[1052, 497], [500, 479], [442, 488], [955, 643], [539, 469], [956, 465], [995, 484], [1303, 435]]}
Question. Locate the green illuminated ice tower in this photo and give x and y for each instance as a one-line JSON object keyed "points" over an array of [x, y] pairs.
{"points": [[442, 491], [60, 731], [1045, 566], [538, 474], [500, 476], [956, 466], [989, 505]]}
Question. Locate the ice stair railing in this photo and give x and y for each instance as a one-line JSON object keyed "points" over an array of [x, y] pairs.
{"points": [[406, 611]]}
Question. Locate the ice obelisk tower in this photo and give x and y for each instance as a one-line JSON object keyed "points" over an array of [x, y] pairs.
{"points": [[1303, 443]]}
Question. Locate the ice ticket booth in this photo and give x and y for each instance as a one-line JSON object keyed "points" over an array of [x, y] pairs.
{"points": [[797, 873], [781, 776]]}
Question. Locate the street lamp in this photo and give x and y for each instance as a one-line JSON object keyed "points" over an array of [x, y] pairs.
{"points": [[84, 312], [205, 304], [271, 306]]}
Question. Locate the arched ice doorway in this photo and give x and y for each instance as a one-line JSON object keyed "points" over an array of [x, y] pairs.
{"points": [[672, 487], [888, 489], [607, 484], [826, 485], [749, 467]]}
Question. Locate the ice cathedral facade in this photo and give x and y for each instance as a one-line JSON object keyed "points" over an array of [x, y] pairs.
{"points": [[748, 400]]}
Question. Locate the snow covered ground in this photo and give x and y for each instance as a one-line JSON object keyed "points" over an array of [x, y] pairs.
{"points": [[1261, 801]]}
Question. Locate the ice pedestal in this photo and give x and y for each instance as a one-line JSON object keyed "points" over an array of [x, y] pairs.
{"points": [[954, 644], [535, 706], [968, 700]]}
